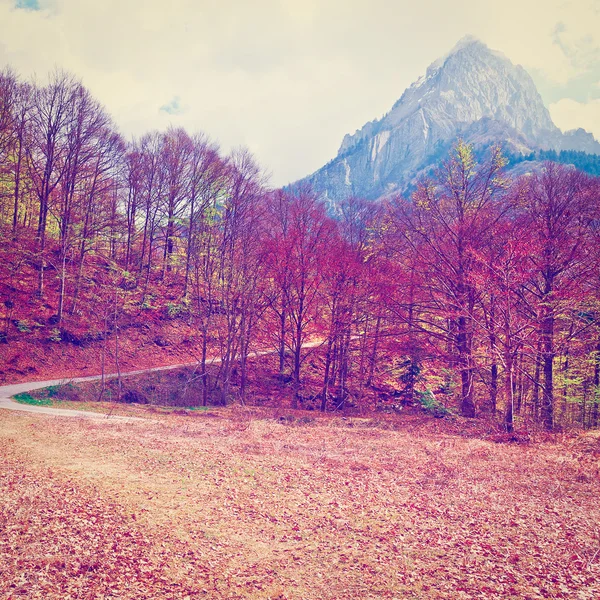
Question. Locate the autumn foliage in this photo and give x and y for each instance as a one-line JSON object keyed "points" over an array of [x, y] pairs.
{"points": [[476, 294]]}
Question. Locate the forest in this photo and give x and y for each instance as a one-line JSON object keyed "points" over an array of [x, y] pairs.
{"points": [[478, 295], [588, 163]]}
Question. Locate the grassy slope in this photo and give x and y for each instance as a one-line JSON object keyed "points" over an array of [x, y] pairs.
{"points": [[227, 505]]}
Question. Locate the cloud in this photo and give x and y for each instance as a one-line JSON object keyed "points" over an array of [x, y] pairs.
{"points": [[173, 107], [581, 51], [570, 114], [287, 78]]}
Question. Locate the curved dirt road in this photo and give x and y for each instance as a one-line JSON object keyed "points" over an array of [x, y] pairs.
{"points": [[7, 391]]}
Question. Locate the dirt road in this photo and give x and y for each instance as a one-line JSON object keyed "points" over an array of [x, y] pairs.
{"points": [[8, 391]]}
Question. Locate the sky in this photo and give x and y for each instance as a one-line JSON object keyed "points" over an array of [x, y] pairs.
{"points": [[288, 78]]}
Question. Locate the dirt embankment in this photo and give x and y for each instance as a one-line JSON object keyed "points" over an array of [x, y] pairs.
{"points": [[32, 356]]}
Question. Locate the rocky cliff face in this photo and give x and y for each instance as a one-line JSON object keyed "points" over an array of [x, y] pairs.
{"points": [[474, 93]]}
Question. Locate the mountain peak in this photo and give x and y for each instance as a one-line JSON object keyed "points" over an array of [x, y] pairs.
{"points": [[472, 92], [466, 85], [467, 46], [468, 41]]}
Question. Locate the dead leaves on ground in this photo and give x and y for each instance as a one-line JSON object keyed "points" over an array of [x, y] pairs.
{"points": [[58, 540], [269, 510]]}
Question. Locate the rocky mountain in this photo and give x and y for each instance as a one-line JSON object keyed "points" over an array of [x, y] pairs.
{"points": [[474, 93]]}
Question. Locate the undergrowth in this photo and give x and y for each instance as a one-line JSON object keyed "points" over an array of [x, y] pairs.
{"points": [[27, 398]]}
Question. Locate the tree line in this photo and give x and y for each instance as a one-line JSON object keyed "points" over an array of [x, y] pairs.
{"points": [[588, 163], [479, 293]]}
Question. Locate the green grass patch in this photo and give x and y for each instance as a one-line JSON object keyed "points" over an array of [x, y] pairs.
{"points": [[27, 398]]}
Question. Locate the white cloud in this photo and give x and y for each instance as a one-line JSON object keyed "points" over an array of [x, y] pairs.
{"points": [[570, 114], [288, 78]]}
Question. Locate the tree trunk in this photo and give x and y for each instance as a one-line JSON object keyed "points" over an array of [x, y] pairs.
{"points": [[467, 406], [190, 246], [325, 392], [168, 241], [535, 400], [203, 365], [596, 393], [373, 358], [297, 364], [494, 387], [16, 191], [63, 278], [282, 321], [547, 408], [117, 360], [509, 393], [131, 214]]}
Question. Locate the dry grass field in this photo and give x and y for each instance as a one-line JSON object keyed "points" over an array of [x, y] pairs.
{"points": [[234, 504]]}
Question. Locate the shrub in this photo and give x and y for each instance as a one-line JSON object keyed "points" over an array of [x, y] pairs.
{"points": [[68, 391], [430, 404], [175, 309], [134, 397], [23, 326], [147, 302]]}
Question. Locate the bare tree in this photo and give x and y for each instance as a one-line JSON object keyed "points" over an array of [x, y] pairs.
{"points": [[447, 224], [48, 152]]}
